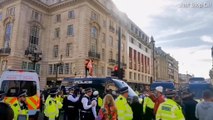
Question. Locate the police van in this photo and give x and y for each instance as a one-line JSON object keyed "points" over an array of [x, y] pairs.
{"points": [[12, 82], [101, 84], [167, 85]]}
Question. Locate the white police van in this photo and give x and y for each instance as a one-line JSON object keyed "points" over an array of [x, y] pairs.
{"points": [[12, 82]]}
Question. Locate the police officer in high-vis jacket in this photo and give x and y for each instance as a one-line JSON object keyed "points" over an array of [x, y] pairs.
{"points": [[87, 104], [124, 110], [170, 110], [20, 107], [52, 106]]}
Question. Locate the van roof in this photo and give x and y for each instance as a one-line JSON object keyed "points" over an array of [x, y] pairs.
{"points": [[95, 80]]}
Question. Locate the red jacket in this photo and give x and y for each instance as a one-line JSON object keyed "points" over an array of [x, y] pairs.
{"points": [[157, 102]]}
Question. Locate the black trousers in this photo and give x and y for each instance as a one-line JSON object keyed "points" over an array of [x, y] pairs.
{"points": [[72, 114], [149, 115], [46, 118], [86, 116]]}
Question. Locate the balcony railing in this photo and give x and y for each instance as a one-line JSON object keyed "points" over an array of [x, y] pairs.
{"points": [[112, 61], [94, 55], [5, 51]]}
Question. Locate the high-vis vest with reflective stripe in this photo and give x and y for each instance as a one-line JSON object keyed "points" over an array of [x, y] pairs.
{"points": [[33, 102], [169, 110], [17, 110], [52, 110], [148, 103], [124, 110]]}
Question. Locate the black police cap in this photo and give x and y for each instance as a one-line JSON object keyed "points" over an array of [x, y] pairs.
{"points": [[123, 90], [88, 90], [53, 92]]}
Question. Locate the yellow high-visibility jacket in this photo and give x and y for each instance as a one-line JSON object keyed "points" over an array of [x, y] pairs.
{"points": [[124, 110], [52, 107], [18, 111], [169, 110], [148, 103]]}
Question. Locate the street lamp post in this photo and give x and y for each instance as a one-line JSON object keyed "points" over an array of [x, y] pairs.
{"points": [[34, 56], [153, 57], [57, 66]]}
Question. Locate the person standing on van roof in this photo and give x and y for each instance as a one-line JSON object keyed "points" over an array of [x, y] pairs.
{"points": [[86, 106], [159, 97], [20, 107], [124, 110], [73, 98]]}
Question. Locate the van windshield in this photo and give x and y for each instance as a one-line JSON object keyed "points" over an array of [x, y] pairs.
{"points": [[122, 84], [13, 87]]}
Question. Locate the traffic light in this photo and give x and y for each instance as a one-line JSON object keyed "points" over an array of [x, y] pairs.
{"points": [[122, 71], [114, 73]]}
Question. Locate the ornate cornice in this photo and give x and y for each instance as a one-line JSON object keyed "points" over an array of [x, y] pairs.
{"points": [[34, 22]]}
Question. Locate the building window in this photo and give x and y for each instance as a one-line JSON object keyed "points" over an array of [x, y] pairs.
{"points": [[103, 54], [140, 46], [61, 69], [11, 11], [66, 68], [103, 37], [30, 66], [130, 75], [24, 65], [57, 32], [8, 35], [70, 30], [55, 51], [109, 70], [71, 15], [94, 32], [94, 16], [102, 71], [139, 77], [132, 40], [58, 18], [0, 16], [34, 36], [37, 68], [68, 49], [147, 50], [111, 40], [36, 15], [110, 55], [50, 71], [135, 76]]}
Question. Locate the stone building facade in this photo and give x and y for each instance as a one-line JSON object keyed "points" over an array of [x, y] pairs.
{"points": [[166, 67], [66, 32]]}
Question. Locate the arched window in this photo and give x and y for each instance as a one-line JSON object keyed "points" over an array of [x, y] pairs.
{"points": [[94, 32], [8, 35], [34, 36]]}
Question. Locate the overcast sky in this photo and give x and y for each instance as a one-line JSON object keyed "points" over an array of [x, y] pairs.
{"points": [[183, 28]]}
